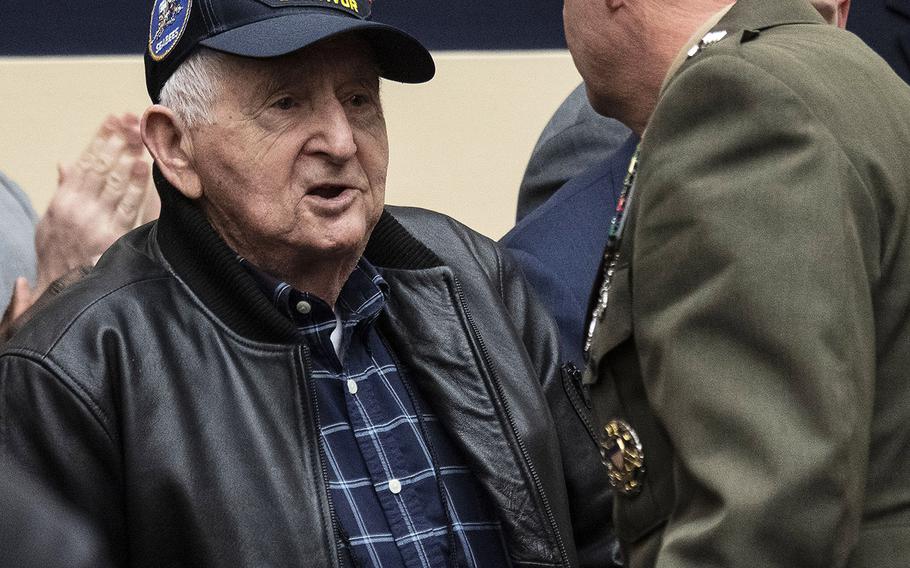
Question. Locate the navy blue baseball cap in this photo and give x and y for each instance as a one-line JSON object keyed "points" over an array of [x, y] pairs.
{"points": [[270, 28]]}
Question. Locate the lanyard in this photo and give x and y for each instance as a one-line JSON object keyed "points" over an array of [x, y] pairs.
{"points": [[611, 253]]}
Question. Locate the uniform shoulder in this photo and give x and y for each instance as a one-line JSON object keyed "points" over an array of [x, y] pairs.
{"points": [[791, 51]]}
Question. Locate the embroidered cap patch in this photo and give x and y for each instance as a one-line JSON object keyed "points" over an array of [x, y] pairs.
{"points": [[169, 18], [359, 8]]}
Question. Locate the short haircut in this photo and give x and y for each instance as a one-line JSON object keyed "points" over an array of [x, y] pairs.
{"points": [[193, 88]]}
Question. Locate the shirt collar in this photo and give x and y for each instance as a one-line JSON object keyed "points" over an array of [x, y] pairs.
{"points": [[361, 298]]}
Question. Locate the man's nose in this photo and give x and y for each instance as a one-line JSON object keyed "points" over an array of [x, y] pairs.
{"points": [[332, 134]]}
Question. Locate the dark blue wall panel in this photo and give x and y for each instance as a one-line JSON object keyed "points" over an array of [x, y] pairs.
{"points": [[477, 24], [81, 27]]}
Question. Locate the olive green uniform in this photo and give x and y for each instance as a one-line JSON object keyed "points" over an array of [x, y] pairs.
{"points": [[757, 334]]}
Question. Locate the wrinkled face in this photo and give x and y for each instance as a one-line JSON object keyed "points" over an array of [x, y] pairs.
{"points": [[294, 166]]}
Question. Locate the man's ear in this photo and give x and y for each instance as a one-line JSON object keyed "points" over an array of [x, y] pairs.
{"points": [[843, 8], [171, 148]]}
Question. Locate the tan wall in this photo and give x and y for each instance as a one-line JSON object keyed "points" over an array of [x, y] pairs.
{"points": [[459, 144]]}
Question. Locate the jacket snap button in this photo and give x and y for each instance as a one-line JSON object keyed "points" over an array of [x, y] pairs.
{"points": [[352, 386]]}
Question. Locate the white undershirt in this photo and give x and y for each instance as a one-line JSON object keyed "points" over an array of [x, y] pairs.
{"points": [[335, 337]]}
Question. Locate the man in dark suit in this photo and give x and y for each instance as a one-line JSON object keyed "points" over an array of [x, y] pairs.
{"points": [[748, 370], [559, 244], [575, 139]]}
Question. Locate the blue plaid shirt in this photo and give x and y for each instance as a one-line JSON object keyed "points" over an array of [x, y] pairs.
{"points": [[401, 492]]}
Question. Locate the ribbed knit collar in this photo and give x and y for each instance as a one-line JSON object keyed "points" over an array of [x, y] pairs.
{"points": [[201, 258]]}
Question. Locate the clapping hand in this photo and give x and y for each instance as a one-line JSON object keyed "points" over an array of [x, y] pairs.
{"points": [[99, 198], [104, 194]]}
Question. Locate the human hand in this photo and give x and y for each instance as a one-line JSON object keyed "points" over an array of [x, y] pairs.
{"points": [[21, 301], [25, 303], [99, 198]]}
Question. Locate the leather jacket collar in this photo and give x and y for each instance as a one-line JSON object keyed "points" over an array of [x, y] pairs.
{"points": [[209, 267]]}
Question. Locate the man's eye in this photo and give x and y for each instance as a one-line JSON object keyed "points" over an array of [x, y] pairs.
{"points": [[360, 100], [284, 103]]}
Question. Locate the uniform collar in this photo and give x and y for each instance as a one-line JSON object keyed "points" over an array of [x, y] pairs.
{"points": [[702, 30], [747, 16]]}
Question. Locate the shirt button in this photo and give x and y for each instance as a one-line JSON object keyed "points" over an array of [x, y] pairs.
{"points": [[304, 307], [352, 386], [395, 486]]}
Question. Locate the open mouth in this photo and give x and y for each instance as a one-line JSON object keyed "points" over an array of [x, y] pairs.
{"points": [[327, 191]]}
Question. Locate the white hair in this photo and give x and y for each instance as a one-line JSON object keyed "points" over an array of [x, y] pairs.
{"points": [[193, 88]]}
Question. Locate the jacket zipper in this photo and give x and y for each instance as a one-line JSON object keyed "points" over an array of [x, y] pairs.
{"points": [[311, 387], [504, 401]]}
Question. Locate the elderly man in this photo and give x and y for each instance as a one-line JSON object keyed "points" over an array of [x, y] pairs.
{"points": [[281, 372], [749, 355]]}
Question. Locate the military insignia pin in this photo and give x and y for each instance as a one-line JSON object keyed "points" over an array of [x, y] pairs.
{"points": [[622, 453], [169, 18], [710, 39]]}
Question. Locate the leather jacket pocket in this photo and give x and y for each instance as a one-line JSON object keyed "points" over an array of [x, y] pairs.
{"points": [[578, 395]]}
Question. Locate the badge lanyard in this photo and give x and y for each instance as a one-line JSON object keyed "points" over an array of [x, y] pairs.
{"points": [[611, 254]]}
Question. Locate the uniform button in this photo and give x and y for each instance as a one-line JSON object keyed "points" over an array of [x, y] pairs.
{"points": [[395, 486], [304, 307], [352, 386]]}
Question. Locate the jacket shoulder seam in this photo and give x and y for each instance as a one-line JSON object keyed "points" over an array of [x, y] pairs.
{"points": [[80, 391], [76, 317], [783, 85]]}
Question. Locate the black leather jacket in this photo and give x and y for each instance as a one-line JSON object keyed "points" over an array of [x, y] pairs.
{"points": [[165, 397]]}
